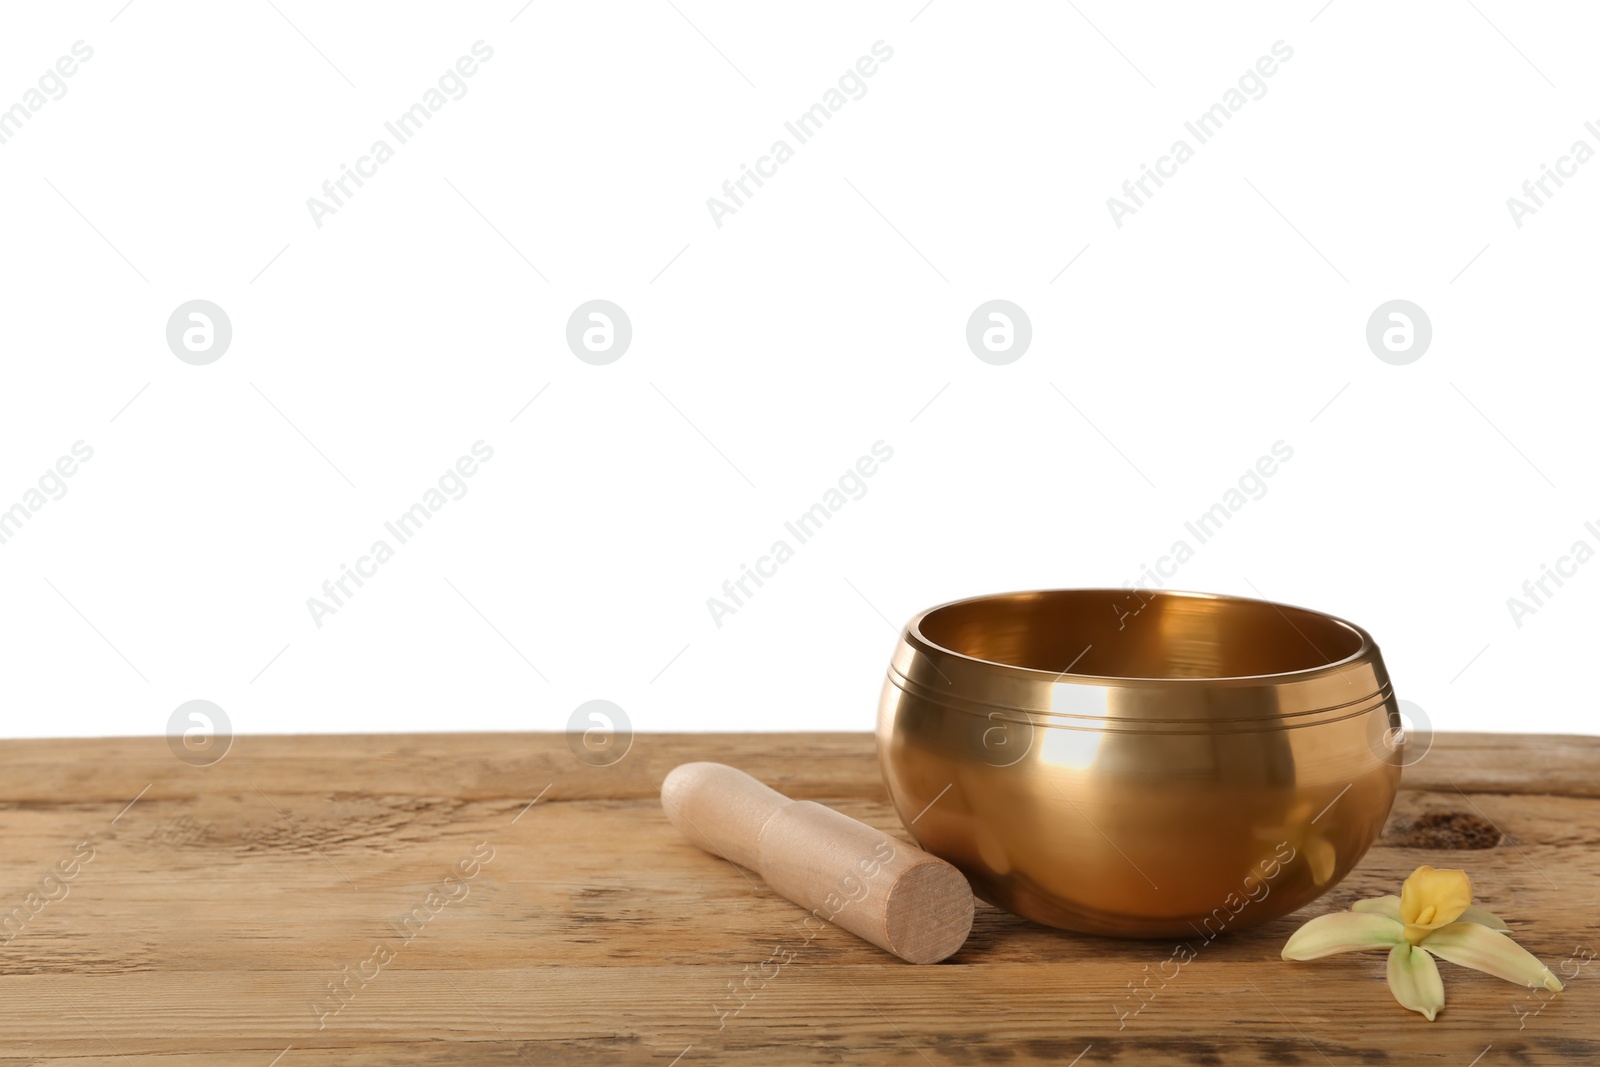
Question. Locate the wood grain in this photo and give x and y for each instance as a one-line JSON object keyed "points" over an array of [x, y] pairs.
{"points": [[217, 909]]}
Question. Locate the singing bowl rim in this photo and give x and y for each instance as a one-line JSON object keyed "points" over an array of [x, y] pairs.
{"points": [[913, 636]]}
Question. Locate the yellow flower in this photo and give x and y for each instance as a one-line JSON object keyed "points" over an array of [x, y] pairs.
{"points": [[1433, 916]]}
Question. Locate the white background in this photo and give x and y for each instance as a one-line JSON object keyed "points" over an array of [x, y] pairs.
{"points": [[768, 354]]}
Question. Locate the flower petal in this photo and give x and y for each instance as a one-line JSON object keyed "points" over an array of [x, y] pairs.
{"points": [[1484, 917], [1483, 949], [1389, 906], [1342, 931], [1414, 980], [1431, 898]]}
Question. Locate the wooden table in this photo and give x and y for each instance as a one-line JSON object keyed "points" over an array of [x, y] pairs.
{"points": [[400, 900]]}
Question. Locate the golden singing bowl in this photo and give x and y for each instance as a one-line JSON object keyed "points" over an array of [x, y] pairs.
{"points": [[1140, 763]]}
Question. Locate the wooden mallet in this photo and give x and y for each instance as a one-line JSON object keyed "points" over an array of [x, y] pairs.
{"points": [[878, 887]]}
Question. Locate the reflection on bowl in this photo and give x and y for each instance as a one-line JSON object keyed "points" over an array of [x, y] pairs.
{"points": [[1140, 764]]}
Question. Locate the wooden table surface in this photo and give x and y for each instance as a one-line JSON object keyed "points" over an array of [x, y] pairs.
{"points": [[254, 912]]}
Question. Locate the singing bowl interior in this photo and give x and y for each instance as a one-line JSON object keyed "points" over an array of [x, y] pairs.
{"points": [[1117, 633], [1150, 765]]}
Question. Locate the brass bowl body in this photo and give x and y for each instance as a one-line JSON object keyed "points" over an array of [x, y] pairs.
{"points": [[1140, 764]]}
